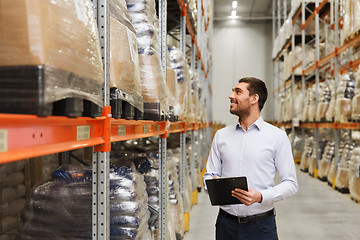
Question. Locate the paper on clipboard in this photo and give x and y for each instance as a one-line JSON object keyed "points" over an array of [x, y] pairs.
{"points": [[219, 189]]}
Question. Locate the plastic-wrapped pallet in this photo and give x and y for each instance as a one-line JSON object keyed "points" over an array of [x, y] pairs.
{"points": [[355, 102], [194, 114], [308, 149], [298, 146], [330, 113], [326, 160], [354, 172], [151, 178], [129, 213], [324, 135], [331, 174], [53, 44], [179, 64], [124, 60], [298, 104], [288, 106], [175, 199], [13, 191], [351, 14], [60, 208], [171, 83], [324, 101], [342, 173], [153, 84], [312, 104], [344, 95]]}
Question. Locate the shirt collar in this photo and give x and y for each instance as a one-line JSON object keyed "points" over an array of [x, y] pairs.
{"points": [[259, 123]]}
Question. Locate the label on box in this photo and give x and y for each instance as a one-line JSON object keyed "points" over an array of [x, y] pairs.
{"points": [[158, 128], [80, 10], [82, 133], [121, 130], [145, 129], [3, 140]]}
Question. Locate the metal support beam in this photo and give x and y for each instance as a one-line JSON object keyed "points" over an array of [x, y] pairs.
{"points": [[103, 20], [101, 160], [182, 168], [163, 31], [192, 161], [163, 186]]}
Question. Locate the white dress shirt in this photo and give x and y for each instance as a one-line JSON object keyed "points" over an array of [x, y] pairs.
{"points": [[257, 154]]}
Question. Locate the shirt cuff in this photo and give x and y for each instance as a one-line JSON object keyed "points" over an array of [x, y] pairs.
{"points": [[266, 197]]}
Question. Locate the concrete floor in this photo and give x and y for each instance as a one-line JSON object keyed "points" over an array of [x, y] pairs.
{"points": [[317, 212]]}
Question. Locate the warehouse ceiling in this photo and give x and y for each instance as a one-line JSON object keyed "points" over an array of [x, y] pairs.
{"points": [[248, 10]]}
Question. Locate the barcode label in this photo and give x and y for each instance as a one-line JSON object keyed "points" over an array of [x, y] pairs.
{"points": [[121, 130], [145, 129], [3, 140], [158, 128], [82, 133]]}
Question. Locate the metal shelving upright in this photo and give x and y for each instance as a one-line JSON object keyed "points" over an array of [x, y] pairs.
{"points": [[53, 134]]}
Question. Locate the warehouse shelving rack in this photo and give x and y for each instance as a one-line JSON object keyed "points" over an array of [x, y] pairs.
{"points": [[28, 136], [331, 64]]}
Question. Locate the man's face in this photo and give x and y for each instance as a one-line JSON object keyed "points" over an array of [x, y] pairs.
{"points": [[240, 100]]}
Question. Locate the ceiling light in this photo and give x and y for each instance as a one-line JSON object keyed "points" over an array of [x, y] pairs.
{"points": [[234, 4], [233, 13]]}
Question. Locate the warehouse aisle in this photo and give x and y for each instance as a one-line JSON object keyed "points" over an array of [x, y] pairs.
{"points": [[317, 212]]}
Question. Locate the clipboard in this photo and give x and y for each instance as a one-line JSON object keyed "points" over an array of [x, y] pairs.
{"points": [[219, 190]]}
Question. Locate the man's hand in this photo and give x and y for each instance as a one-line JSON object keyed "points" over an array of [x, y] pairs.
{"points": [[247, 198]]}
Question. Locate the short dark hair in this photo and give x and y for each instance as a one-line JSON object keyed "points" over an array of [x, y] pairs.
{"points": [[256, 86]]}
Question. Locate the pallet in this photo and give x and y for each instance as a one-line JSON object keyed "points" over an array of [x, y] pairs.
{"points": [[354, 199], [121, 108], [152, 112], [172, 116], [342, 190], [323, 179], [352, 36], [25, 90]]}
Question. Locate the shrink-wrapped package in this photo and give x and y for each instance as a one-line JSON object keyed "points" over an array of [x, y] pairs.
{"points": [[124, 60], [171, 86], [153, 83], [61, 207], [324, 101], [348, 15], [298, 104], [312, 161], [194, 104], [324, 135], [330, 113], [175, 199], [354, 174], [306, 155], [355, 102], [351, 26], [13, 191], [298, 146], [344, 95], [342, 173], [179, 64], [51, 48], [326, 160]]}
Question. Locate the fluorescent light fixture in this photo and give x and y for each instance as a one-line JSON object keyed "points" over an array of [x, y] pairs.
{"points": [[233, 13], [234, 4]]}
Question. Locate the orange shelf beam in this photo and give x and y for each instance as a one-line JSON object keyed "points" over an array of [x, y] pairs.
{"points": [[327, 58], [322, 4], [122, 129], [27, 136]]}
